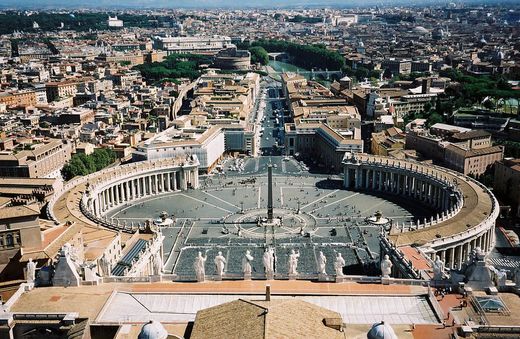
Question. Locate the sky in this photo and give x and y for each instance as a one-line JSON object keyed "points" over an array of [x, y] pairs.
{"points": [[217, 3]]}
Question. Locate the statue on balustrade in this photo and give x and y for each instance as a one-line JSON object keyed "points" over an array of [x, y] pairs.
{"points": [[438, 268], [338, 265], [246, 263], [31, 271], [268, 261], [386, 267], [220, 263], [158, 263], [198, 265], [293, 262], [104, 265], [322, 263]]}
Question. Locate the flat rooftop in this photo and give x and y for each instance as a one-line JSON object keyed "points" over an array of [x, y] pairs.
{"points": [[136, 302], [357, 309]]}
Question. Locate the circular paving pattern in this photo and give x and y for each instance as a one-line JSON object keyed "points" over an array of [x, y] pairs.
{"points": [[224, 214], [288, 223]]}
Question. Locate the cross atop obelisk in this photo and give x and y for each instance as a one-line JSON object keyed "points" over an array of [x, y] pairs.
{"points": [[270, 192]]}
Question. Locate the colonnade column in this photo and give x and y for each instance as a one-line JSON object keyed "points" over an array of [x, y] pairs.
{"points": [[460, 254], [452, 257], [112, 191], [195, 178], [168, 182]]}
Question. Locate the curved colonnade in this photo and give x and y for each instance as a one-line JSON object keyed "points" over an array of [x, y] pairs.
{"points": [[466, 210], [88, 199]]}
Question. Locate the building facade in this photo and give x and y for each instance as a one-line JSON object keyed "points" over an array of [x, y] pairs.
{"points": [[506, 183]]}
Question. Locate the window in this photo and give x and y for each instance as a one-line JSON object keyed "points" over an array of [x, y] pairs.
{"points": [[9, 240]]}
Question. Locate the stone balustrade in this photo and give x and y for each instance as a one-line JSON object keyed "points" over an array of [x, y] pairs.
{"points": [[113, 187], [465, 210]]}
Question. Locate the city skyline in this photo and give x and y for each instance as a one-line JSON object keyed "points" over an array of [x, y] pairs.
{"points": [[211, 4]]}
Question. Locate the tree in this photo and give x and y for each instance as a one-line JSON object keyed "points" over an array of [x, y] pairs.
{"points": [[427, 107], [259, 55], [82, 164], [305, 56], [74, 168], [433, 119], [173, 67]]}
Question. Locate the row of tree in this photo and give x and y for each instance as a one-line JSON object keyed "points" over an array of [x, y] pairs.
{"points": [[305, 56], [305, 19], [173, 67], [82, 164], [474, 89], [11, 21]]}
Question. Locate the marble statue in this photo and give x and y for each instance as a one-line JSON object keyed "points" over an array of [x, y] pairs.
{"points": [[246, 263], [158, 263], [66, 250], [293, 262], [338, 265], [322, 262], [268, 260], [31, 271], [517, 276], [500, 276], [220, 263], [386, 267], [438, 268], [104, 265], [198, 265]]}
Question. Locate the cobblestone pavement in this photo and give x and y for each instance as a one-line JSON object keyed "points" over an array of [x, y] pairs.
{"points": [[316, 214]]}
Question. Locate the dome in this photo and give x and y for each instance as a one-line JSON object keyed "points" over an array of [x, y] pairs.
{"points": [[153, 330], [381, 331], [420, 30]]}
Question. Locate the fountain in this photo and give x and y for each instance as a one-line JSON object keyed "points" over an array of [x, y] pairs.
{"points": [[163, 220], [377, 219]]}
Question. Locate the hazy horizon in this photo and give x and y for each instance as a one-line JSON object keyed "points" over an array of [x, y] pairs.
{"points": [[201, 4]]}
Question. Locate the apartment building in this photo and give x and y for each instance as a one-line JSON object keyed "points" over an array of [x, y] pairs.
{"points": [[507, 182], [318, 143], [43, 160], [469, 152], [397, 66], [387, 141], [60, 90], [18, 98]]}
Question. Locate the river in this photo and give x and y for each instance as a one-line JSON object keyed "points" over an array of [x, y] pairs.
{"points": [[280, 66]]}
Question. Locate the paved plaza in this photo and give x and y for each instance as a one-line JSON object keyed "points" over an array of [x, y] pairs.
{"points": [[316, 214]]}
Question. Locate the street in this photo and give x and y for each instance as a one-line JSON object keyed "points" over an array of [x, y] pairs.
{"points": [[270, 120]]}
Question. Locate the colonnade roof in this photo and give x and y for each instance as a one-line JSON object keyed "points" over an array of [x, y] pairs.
{"points": [[66, 208], [478, 203]]}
